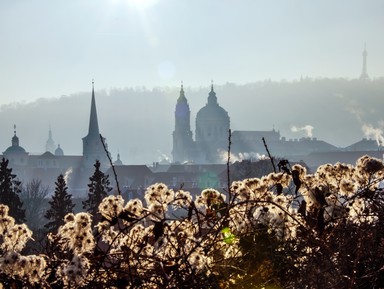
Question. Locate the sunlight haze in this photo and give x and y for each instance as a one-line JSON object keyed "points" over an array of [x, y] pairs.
{"points": [[269, 62], [54, 48]]}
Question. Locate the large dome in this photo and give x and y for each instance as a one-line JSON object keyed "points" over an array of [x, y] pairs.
{"points": [[14, 150], [212, 111], [212, 123]]}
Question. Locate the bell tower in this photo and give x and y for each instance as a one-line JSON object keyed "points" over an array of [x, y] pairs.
{"points": [[92, 146], [182, 135]]}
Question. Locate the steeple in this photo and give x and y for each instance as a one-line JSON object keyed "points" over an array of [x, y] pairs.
{"points": [[182, 112], [93, 148], [182, 135], [50, 144], [364, 74], [212, 99], [93, 123], [182, 95]]}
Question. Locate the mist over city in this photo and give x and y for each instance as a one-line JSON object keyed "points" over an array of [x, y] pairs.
{"points": [[138, 122], [292, 67], [191, 144]]}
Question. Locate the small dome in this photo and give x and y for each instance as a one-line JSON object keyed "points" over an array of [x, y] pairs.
{"points": [[59, 151], [118, 162]]}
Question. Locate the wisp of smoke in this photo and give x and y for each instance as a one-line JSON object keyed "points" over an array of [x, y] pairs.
{"points": [[238, 157], [307, 129], [372, 132], [163, 157], [67, 173], [355, 109]]}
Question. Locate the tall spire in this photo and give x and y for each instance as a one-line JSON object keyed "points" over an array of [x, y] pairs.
{"points": [[50, 144], [364, 74], [93, 123], [93, 148]]}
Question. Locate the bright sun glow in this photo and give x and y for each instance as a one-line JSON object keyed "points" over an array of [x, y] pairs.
{"points": [[139, 4]]}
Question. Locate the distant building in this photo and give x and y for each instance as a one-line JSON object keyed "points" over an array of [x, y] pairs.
{"points": [[211, 138], [50, 144], [364, 145], [211, 135], [50, 164]]}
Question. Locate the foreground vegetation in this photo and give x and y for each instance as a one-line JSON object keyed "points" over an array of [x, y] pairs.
{"points": [[288, 229]]}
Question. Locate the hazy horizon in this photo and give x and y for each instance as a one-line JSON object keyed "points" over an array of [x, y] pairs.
{"points": [[138, 123], [50, 49]]}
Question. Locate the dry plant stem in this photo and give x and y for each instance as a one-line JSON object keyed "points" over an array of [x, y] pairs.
{"points": [[228, 163], [112, 166], [269, 155]]}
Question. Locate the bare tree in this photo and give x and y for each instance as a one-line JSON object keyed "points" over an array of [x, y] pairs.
{"points": [[34, 197]]}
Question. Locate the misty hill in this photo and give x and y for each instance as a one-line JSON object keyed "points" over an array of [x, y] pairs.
{"points": [[138, 122]]}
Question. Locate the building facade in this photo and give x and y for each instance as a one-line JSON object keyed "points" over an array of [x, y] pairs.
{"points": [[49, 165]]}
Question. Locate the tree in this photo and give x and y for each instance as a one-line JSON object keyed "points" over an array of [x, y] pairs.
{"points": [[33, 196], [10, 188], [98, 190], [60, 205]]}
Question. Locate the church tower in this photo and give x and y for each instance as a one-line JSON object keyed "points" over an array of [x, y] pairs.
{"points": [[182, 135], [50, 144], [364, 75], [92, 146]]}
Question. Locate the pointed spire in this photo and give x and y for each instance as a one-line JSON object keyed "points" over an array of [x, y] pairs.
{"points": [[93, 123], [50, 144], [182, 97]]}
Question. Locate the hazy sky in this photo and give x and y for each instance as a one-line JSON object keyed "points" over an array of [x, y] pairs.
{"points": [[53, 48]]}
